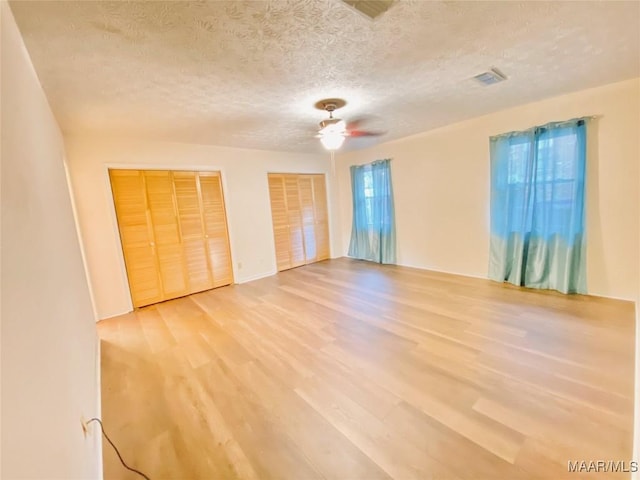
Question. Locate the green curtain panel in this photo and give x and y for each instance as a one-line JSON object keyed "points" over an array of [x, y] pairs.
{"points": [[537, 207], [373, 233]]}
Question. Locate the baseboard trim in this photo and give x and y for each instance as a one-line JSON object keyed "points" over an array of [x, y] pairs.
{"points": [[113, 315], [257, 277], [421, 267], [428, 269]]}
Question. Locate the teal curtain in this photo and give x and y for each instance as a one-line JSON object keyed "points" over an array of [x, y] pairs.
{"points": [[373, 233], [537, 207]]}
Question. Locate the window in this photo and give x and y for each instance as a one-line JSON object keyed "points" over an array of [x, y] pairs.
{"points": [[537, 204], [368, 196], [542, 189], [375, 200], [373, 230]]}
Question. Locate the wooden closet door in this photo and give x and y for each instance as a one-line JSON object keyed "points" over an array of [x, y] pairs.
{"points": [[187, 192], [307, 212], [136, 235], [280, 220], [294, 217], [166, 230], [215, 228], [321, 217]]}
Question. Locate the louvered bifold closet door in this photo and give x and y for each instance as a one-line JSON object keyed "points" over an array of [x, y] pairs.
{"points": [[215, 228], [136, 235], [173, 228], [280, 220], [166, 230], [321, 217], [299, 215], [190, 218], [307, 210], [294, 217]]}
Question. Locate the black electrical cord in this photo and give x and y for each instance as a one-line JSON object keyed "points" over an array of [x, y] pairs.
{"points": [[116, 448]]}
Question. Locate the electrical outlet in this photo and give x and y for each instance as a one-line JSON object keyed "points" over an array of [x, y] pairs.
{"points": [[239, 265]]}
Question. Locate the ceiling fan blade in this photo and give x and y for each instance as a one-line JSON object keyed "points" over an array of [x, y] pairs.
{"points": [[364, 133], [356, 122]]}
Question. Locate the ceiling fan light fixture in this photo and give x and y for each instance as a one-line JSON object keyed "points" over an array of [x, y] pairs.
{"points": [[332, 126], [332, 140]]}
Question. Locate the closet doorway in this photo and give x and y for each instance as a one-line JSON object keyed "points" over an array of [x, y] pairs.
{"points": [[173, 230], [300, 219]]}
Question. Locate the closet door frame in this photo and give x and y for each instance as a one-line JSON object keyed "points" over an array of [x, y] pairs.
{"points": [[300, 174], [156, 166]]}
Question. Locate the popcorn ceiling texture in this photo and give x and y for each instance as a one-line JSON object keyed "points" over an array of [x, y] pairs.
{"points": [[247, 74]]}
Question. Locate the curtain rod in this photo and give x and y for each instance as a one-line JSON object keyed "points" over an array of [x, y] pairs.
{"points": [[576, 119]]}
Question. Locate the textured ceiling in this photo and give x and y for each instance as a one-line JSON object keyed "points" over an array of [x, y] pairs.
{"points": [[247, 73]]}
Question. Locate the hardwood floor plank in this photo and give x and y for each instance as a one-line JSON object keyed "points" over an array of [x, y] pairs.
{"points": [[262, 438], [155, 330], [333, 455], [496, 438], [345, 369], [465, 458], [397, 458], [201, 424]]}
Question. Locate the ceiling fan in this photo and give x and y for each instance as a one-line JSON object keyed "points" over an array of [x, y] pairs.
{"points": [[333, 131]]}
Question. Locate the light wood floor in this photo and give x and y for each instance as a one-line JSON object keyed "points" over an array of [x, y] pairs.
{"points": [[351, 370]]}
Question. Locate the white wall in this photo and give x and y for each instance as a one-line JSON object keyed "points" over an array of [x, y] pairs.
{"points": [[49, 344], [441, 186], [244, 176]]}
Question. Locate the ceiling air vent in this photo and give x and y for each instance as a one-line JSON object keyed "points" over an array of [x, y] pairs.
{"points": [[371, 8], [492, 76]]}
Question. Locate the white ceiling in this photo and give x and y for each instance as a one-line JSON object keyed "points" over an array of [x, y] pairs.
{"points": [[247, 73]]}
